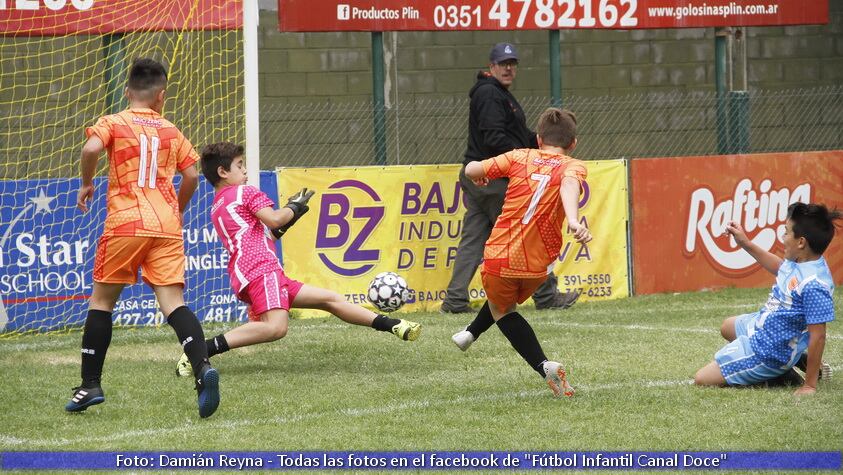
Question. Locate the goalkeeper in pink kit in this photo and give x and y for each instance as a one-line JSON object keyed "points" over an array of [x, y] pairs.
{"points": [[246, 221]]}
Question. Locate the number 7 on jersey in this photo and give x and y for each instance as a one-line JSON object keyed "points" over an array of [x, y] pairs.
{"points": [[534, 201]]}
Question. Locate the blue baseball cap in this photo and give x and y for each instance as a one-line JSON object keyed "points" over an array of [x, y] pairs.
{"points": [[502, 52]]}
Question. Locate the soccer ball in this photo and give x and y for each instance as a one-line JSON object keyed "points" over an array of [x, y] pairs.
{"points": [[388, 291]]}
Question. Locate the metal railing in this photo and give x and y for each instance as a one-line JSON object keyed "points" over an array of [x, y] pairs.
{"points": [[659, 124]]}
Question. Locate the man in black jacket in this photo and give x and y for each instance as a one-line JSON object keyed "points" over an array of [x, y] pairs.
{"points": [[496, 125]]}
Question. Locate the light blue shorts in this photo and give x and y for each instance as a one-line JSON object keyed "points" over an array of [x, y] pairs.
{"points": [[738, 363], [745, 324]]}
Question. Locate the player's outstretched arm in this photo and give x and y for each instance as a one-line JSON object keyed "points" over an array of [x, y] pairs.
{"points": [[298, 205], [280, 220], [816, 346], [767, 259], [570, 192], [189, 182], [275, 218], [88, 167], [475, 172]]}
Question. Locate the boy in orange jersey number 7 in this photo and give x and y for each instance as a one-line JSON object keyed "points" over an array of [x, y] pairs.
{"points": [[544, 189], [143, 229]]}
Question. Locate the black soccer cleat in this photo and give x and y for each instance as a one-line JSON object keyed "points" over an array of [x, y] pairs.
{"points": [[790, 378], [83, 398], [825, 368], [208, 390]]}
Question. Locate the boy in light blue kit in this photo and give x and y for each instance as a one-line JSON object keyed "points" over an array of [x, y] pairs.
{"points": [[765, 345]]}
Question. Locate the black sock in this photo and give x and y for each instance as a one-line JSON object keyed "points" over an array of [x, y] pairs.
{"points": [[482, 322], [191, 337], [216, 345], [95, 340], [384, 323], [522, 337]]}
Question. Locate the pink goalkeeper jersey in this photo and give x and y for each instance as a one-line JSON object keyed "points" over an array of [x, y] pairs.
{"points": [[248, 241]]}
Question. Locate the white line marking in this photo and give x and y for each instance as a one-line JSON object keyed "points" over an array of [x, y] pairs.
{"points": [[9, 440], [603, 326], [347, 412], [53, 344], [46, 343], [690, 308]]}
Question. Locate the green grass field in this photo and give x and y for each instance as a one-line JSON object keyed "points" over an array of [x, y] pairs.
{"points": [[331, 386]]}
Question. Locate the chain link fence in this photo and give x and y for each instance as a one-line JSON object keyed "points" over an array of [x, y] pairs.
{"points": [[664, 124]]}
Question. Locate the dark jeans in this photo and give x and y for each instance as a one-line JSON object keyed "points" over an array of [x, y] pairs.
{"points": [[483, 206]]}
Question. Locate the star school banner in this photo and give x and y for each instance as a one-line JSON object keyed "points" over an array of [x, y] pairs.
{"points": [[408, 219], [47, 249], [682, 205]]}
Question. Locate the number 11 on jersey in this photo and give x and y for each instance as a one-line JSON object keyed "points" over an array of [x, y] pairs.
{"points": [[151, 156]]}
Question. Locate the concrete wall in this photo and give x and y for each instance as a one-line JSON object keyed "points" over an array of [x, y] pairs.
{"points": [[638, 93], [337, 66]]}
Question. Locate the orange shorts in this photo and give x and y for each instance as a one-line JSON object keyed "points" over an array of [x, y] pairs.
{"points": [[118, 259], [504, 292]]}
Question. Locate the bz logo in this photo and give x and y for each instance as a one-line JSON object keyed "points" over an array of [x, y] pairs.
{"points": [[345, 228]]}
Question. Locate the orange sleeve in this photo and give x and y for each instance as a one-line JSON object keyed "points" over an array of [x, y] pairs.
{"points": [[497, 167], [101, 129], [187, 155], [576, 169]]}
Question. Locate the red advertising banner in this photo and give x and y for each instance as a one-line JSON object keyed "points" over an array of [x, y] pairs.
{"points": [[680, 207], [437, 15], [63, 17]]}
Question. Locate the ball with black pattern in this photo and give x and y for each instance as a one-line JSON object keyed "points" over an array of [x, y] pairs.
{"points": [[388, 292]]}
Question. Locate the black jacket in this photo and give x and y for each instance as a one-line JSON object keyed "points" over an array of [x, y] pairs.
{"points": [[496, 122]]}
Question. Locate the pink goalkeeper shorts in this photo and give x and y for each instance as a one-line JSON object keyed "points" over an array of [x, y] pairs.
{"points": [[269, 291]]}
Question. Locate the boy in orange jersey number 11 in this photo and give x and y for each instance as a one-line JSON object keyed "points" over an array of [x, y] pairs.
{"points": [[143, 229], [544, 189]]}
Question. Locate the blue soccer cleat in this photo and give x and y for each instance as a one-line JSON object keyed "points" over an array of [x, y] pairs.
{"points": [[208, 388]]}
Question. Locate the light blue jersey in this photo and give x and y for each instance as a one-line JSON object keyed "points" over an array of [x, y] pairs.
{"points": [[800, 297]]}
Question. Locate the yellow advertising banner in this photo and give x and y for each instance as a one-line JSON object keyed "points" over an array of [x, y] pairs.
{"points": [[599, 269], [408, 219]]}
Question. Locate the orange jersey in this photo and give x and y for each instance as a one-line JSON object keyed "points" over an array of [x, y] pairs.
{"points": [[527, 236], [144, 152]]}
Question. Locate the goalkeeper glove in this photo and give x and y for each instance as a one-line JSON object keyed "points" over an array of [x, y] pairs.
{"points": [[298, 204]]}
